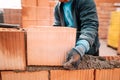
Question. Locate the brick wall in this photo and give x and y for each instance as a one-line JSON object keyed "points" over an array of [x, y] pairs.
{"points": [[38, 75], [107, 74], [56, 41], [104, 8], [12, 50], [72, 75], [36, 13], [43, 64], [90, 74], [51, 46], [12, 16], [33, 44]]}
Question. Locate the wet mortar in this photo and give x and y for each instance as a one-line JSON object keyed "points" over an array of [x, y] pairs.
{"points": [[87, 62], [97, 62]]}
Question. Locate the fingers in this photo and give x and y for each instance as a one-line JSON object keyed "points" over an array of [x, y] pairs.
{"points": [[73, 59], [72, 63], [68, 65]]}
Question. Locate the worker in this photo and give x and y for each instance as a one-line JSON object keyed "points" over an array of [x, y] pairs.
{"points": [[82, 15]]}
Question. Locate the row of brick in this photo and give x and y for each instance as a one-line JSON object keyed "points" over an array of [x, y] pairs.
{"points": [[36, 16], [43, 45], [46, 2], [107, 74], [39, 3], [90, 74], [31, 15], [109, 58], [104, 10], [40, 46], [12, 16], [30, 23], [37, 13]]}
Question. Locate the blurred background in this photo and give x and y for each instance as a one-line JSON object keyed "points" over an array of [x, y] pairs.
{"points": [[27, 13]]}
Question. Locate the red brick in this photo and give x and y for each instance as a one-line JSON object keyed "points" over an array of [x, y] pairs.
{"points": [[102, 33], [107, 74], [28, 23], [49, 45], [116, 58], [51, 21], [104, 74], [29, 13], [72, 74], [12, 16], [104, 9], [12, 50], [43, 23], [15, 19], [116, 74], [43, 3], [29, 2], [39, 75], [52, 3], [43, 13], [51, 13]]}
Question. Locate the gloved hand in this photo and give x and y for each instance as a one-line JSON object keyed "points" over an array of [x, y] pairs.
{"points": [[73, 60]]}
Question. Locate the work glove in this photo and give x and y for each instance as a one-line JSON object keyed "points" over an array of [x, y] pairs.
{"points": [[73, 60]]}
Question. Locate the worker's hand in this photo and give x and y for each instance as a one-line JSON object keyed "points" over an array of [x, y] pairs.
{"points": [[73, 60]]}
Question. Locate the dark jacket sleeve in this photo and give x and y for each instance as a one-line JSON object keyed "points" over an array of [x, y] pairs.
{"points": [[56, 17], [89, 22]]}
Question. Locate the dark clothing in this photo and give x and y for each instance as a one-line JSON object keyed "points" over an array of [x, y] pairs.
{"points": [[85, 20]]}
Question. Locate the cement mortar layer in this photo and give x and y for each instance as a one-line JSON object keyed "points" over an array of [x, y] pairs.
{"points": [[87, 62]]}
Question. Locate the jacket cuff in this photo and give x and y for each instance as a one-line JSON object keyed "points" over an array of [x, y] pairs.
{"points": [[80, 50], [84, 44]]}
